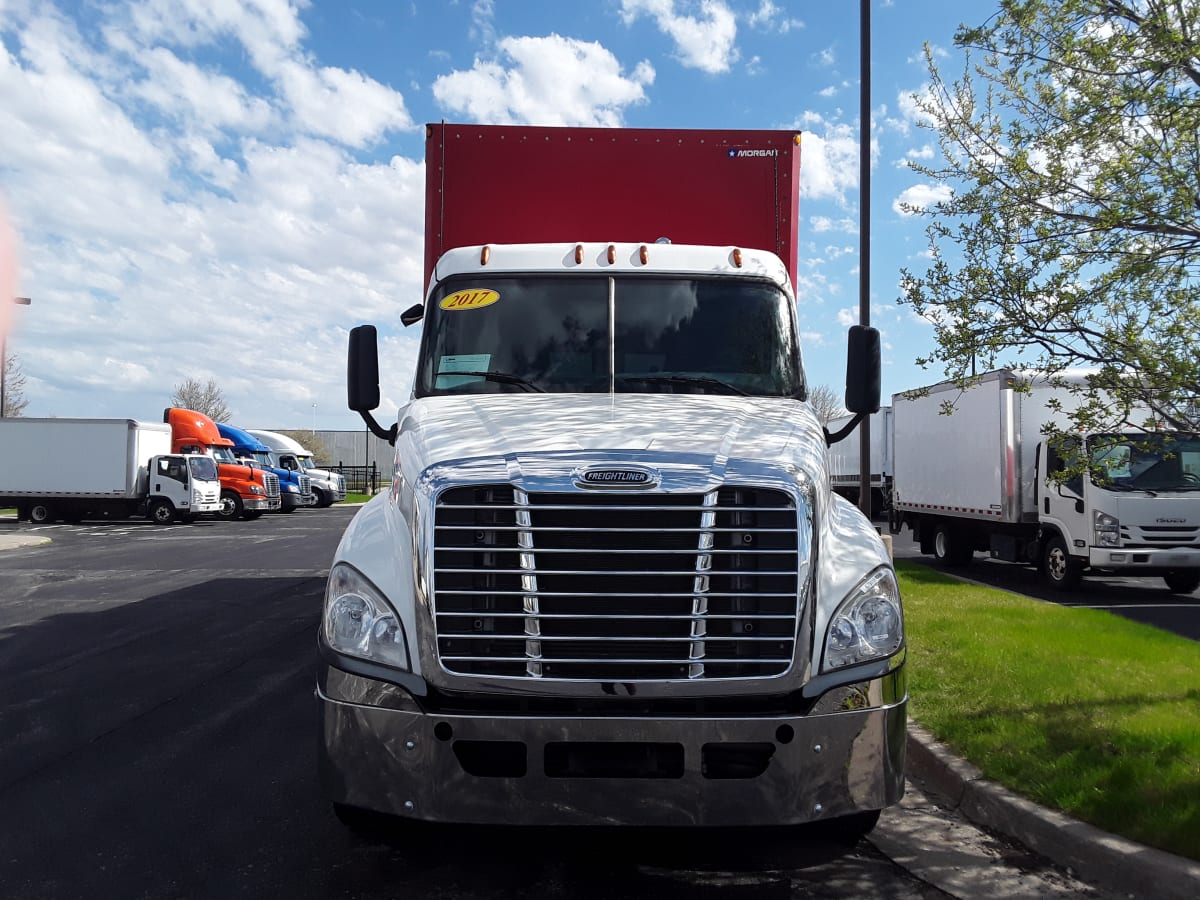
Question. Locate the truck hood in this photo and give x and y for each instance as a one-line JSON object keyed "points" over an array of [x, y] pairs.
{"points": [[768, 430]]}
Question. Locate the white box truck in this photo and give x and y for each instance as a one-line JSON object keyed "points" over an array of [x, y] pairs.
{"points": [[73, 469], [845, 457], [979, 479]]}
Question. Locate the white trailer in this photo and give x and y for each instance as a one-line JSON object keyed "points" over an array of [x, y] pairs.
{"points": [[845, 457], [978, 479], [79, 468]]}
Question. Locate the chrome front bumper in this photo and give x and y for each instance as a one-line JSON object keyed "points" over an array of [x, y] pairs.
{"points": [[263, 503], [380, 751]]}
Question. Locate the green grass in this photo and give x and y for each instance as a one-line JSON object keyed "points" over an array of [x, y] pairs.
{"points": [[357, 498], [1076, 709]]}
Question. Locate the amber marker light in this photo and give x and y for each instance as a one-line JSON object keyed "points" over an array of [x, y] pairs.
{"points": [[484, 255], [644, 254], [612, 254], [579, 254], [737, 257]]}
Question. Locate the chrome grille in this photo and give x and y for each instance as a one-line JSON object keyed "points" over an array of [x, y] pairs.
{"points": [[615, 587], [1148, 536], [271, 484], [305, 484]]}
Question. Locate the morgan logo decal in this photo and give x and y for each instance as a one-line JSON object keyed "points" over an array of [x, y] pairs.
{"points": [[471, 299], [734, 153], [616, 477]]}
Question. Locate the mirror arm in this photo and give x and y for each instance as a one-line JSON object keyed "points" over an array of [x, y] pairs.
{"points": [[841, 433], [388, 434]]}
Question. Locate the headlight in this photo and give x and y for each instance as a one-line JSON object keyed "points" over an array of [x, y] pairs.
{"points": [[359, 622], [255, 489], [1108, 529], [868, 625]]}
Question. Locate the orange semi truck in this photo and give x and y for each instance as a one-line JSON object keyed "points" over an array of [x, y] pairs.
{"points": [[246, 491]]}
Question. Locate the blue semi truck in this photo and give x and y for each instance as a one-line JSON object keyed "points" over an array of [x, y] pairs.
{"points": [[295, 489]]}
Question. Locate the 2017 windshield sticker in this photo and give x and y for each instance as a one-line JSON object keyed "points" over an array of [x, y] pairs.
{"points": [[475, 298]]}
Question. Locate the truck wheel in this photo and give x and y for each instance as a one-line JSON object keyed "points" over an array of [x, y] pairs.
{"points": [[949, 548], [41, 513], [231, 506], [1059, 568], [161, 512], [1182, 581], [251, 514], [324, 498]]}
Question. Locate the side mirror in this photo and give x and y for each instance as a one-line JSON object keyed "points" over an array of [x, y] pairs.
{"points": [[362, 379], [362, 369], [412, 315], [863, 370]]}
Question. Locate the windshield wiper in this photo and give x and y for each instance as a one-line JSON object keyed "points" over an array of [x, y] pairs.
{"points": [[501, 377], [684, 379]]}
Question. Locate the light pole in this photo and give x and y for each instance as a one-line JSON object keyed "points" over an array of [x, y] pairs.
{"points": [[314, 428], [20, 301]]}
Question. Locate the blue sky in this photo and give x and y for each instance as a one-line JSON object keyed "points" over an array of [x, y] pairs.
{"points": [[222, 188]]}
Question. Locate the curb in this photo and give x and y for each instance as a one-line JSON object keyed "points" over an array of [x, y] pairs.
{"points": [[1095, 856], [17, 541]]}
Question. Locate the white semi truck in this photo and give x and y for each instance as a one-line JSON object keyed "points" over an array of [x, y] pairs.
{"points": [[609, 583], [74, 469], [845, 458], [981, 479], [329, 487]]}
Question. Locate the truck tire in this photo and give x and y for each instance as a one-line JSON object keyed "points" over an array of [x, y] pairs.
{"points": [[324, 498], [161, 512], [1061, 571], [950, 546], [41, 513], [1182, 581], [251, 514], [231, 506]]}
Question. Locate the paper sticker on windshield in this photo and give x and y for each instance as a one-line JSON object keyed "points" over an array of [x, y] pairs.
{"points": [[463, 362], [475, 298]]}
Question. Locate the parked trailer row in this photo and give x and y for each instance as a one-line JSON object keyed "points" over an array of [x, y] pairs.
{"points": [[185, 466]]}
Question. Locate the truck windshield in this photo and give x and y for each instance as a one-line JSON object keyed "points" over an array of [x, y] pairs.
{"points": [[202, 468], [263, 458], [224, 455], [661, 335], [1149, 462]]}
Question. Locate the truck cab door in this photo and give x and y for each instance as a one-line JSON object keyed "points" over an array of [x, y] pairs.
{"points": [[171, 479], [1062, 504]]}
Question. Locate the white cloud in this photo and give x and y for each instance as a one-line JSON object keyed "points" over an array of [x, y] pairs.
{"points": [[704, 41], [769, 17], [824, 57], [847, 317], [174, 244], [822, 224], [921, 196], [545, 81], [828, 158]]}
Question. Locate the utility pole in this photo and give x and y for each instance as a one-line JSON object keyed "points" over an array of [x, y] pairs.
{"points": [[20, 301], [864, 233]]}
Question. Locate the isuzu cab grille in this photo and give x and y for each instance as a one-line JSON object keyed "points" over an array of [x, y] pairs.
{"points": [[616, 587], [1150, 536]]}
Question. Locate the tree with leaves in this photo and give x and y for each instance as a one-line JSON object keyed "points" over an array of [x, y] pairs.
{"points": [[14, 387], [203, 398], [1069, 232]]}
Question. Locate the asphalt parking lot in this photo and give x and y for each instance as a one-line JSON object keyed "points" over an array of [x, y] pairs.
{"points": [[157, 739]]}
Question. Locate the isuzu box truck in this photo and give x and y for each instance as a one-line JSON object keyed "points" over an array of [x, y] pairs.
{"points": [[75, 469], [982, 479]]}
